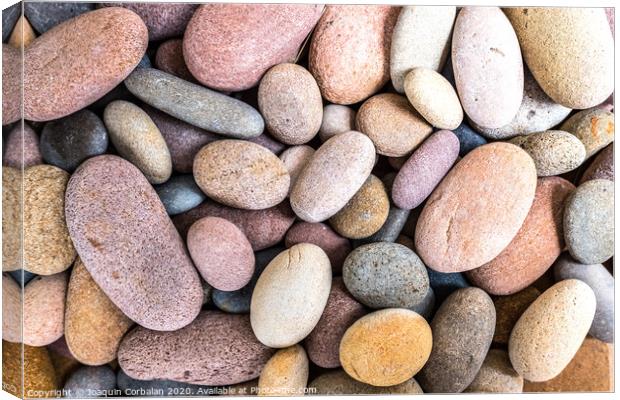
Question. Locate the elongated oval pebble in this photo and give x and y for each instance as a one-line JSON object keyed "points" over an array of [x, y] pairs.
{"points": [[594, 127], [553, 152], [285, 374]]}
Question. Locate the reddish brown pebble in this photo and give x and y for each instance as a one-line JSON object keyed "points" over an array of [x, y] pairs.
{"points": [[18, 140], [335, 246], [508, 309], [536, 246], [602, 167], [169, 58], [44, 309], [11, 84]]}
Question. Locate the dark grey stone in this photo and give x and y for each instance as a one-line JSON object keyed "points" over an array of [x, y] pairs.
{"points": [[22, 275], [179, 194], [45, 15], [158, 388], [10, 16], [445, 283], [468, 139], [89, 381]]}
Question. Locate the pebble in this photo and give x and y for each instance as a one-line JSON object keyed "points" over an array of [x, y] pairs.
{"points": [[549, 37], [496, 375], [194, 104], [136, 138], [11, 219], [536, 246], [537, 113], [462, 333], [290, 101], [263, 228], [423, 171], [335, 246], [11, 84], [269, 143], [341, 311], [365, 213], [338, 382], [108, 203], [45, 16], [48, 249], [89, 381], [488, 68], [602, 167], [156, 387], [44, 309], [502, 201], [395, 127], [602, 283], [163, 20], [67, 142], [295, 159], [22, 34], [221, 253], [22, 148], [241, 174], [333, 175], [285, 374], [589, 222], [551, 330], [443, 284], [553, 152], [386, 347], [229, 47], [336, 119], [10, 15], [383, 275], [120, 36], [179, 194], [290, 295], [421, 38], [169, 58], [509, 309], [94, 326], [349, 51], [215, 349], [396, 219], [434, 98], [29, 365], [238, 301], [12, 313], [594, 127]]}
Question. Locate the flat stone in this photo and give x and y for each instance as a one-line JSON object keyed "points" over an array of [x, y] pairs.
{"points": [[180, 194]]}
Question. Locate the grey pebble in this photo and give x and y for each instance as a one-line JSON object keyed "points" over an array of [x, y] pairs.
{"points": [[445, 283], [43, 16], [468, 139], [10, 16], [179, 194], [89, 381], [21, 275]]}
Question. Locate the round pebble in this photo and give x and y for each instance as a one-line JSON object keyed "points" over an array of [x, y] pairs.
{"points": [[169, 58], [386, 347], [179, 194], [11, 310], [496, 375], [338, 382], [509, 309], [553, 152], [285, 374], [45, 16], [602, 167], [44, 309], [22, 148], [588, 222], [295, 159], [30, 366], [336, 119], [335, 246], [91, 382], [594, 127], [12, 179], [394, 126], [241, 174]]}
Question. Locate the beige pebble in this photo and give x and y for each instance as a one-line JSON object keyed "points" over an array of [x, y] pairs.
{"points": [[295, 159], [594, 127], [338, 382], [44, 309], [11, 218], [11, 309], [336, 119], [285, 374]]}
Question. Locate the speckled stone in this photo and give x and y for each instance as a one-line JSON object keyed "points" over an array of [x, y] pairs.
{"points": [[194, 104], [94, 326], [496, 375], [295, 159], [285, 374], [349, 51], [290, 101], [11, 84], [594, 127], [10, 15], [332, 176], [421, 38], [341, 311], [263, 228], [602, 167], [443, 284], [386, 347], [551, 330], [67, 142], [158, 388], [549, 37], [91, 382], [44, 309], [338, 382], [553, 152], [179, 194], [290, 295], [591, 370], [120, 36], [335, 246], [19, 140], [184, 141], [509, 309], [602, 283], [238, 301], [48, 249], [169, 58], [589, 222], [215, 349], [536, 246], [241, 174], [336, 119], [394, 126], [537, 113], [11, 219], [109, 202], [22, 34], [230, 46], [423, 171], [12, 314], [383, 275], [462, 334], [39, 377], [63, 365], [45, 16], [471, 203], [484, 39], [163, 20]]}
